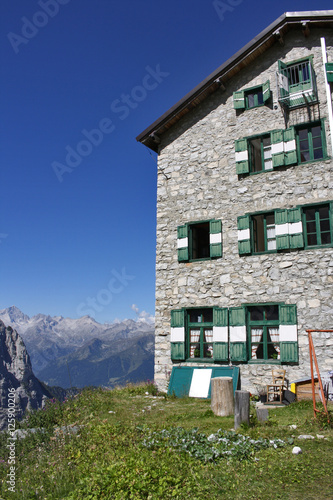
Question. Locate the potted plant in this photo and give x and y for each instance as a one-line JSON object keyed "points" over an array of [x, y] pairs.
{"points": [[262, 394]]}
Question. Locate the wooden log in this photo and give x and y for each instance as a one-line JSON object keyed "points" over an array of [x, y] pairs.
{"points": [[222, 396], [242, 408], [262, 414]]}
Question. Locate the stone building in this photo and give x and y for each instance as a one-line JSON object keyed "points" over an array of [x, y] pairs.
{"points": [[244, 261]]}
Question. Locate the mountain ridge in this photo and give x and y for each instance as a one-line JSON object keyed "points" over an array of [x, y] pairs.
{"points": [[63, 351]]}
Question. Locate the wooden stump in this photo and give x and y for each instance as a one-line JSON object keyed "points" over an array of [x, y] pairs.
{"points": [[262, 414], [242, 408], [222, 396]]}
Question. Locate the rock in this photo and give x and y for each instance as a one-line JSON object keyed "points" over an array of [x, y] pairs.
{"points": [[296, 450], [293, 426], [20, 390], [305, 436]]}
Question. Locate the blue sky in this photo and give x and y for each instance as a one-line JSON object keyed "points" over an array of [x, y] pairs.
{"points": [[80, 80]]}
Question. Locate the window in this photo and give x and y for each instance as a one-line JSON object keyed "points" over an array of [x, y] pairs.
{"points": [[260, 153], [252, 97], [263, 333], [286, 229], [291, 146], [318, 225], [199, 334], [199, 240], [296, 83], [263, 325], [263, 232], [310, 143], [249, 333]]}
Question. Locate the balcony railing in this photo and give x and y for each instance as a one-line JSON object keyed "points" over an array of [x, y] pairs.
{"points": [[297, 85]]}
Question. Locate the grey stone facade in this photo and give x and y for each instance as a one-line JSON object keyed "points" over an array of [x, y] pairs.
{"points": [[197, 180]]}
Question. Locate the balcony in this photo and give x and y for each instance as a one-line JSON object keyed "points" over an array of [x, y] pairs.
{"points": [[296, 84]]}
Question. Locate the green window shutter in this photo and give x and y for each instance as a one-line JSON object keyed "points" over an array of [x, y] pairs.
{"points": [[277, 148], [281, 229], [177, 318], [266, 91], [296, 239], [329, 72], [215, 238], [182, 243], [290, 154], [244, 236], [283, 82], [220, 334], [288, 333], [239, 99], [237, 329], [241, 156], [178, 335], [288, 314]]}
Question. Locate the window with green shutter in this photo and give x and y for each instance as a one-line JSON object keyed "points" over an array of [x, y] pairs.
{"points": [[296, 83], [265, 152], [272, 333], [281, 147], [261, 332], [290, 229], [199, 241], [252, 97]]}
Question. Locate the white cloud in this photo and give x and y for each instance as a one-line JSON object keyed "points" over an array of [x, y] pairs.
{"points": [[143, 316]]}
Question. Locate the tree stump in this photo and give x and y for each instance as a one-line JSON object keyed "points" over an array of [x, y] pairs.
{"points": [[222, 396], [262, 414], [242, 408]]}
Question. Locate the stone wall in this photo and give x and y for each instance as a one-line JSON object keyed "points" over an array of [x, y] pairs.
{"points": [[197, 181]]}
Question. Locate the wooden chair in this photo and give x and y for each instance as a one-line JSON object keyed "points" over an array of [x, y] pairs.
{"points": [[277, 386]]}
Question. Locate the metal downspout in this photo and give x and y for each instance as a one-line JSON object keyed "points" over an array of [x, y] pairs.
{"points": [[328, 90]]}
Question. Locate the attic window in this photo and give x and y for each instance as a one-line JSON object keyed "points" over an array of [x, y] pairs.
{"points": [[252, 97]]}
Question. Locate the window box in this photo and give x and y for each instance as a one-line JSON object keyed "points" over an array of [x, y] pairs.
{"points": [[199, 241], [252, 97], [296, 83]]}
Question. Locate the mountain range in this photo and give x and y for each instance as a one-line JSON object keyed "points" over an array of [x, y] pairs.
{"points": [[78, 352]]}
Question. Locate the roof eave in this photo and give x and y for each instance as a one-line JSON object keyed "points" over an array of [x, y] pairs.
{"points": [[150, 136]]}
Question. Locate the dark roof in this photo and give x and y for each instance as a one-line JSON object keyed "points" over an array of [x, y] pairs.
{"points": [[242, 58]]}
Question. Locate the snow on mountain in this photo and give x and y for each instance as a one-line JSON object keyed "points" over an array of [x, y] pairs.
{"points": [[48, 338]]}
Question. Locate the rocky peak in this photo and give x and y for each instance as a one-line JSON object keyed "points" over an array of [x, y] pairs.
{"points": [[16, 373]]}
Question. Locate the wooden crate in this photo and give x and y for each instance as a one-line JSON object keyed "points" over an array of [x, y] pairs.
{"points": [[303, 389]]}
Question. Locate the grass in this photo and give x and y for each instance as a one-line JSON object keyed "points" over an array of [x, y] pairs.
{"points": [[92, 447]]}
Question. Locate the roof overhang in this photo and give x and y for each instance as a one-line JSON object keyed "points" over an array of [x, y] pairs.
{"points": [[275, 32]]}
